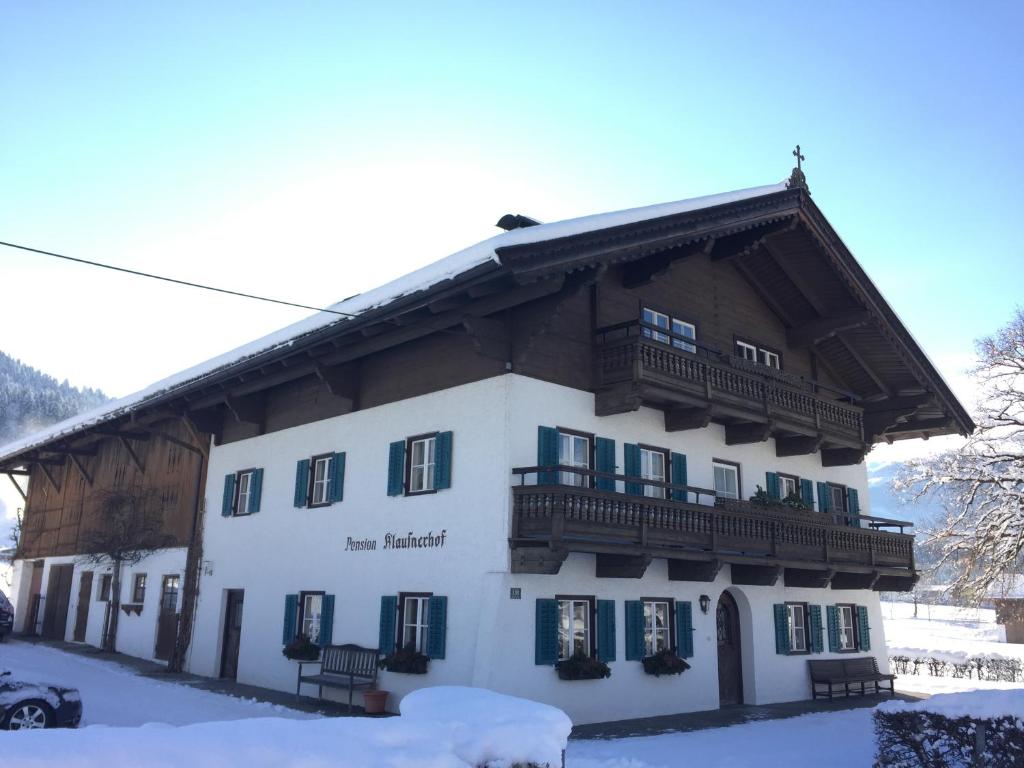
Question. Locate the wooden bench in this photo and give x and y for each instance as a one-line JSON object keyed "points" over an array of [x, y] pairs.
{"points": [[342, 666], [858, 672]]}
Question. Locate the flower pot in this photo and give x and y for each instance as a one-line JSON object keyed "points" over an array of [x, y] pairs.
{"points": [[374, 701]]}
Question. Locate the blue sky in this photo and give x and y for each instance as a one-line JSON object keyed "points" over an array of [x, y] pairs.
{"points": [[313, 150]]}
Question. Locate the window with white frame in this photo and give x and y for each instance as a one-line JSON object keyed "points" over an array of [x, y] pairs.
{"points": [[414, 620], [758, 354], [657, 626], [653, 466], [421, 463], [797, 627], [746, 351], [574, 626], [788, 486], [574, 451], [727, 479], [310, 610], [669, 330], [243, 485], [846, 615], [769, 358], [321, 489]]}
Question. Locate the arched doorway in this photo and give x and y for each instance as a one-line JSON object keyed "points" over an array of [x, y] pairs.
{"points": [[730, 666]]}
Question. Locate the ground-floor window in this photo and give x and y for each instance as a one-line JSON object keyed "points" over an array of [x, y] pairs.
{"points": [[311, 606], [414, 619], [657, 625], [103, 589], [797, 619], [575, 634], [847, 616], [139, 588]]}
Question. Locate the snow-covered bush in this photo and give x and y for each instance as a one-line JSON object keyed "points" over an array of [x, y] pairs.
{"points": [[995, 668]]}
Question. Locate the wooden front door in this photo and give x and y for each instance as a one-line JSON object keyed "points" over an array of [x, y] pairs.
{"points": [[167, 622], [31, 625], [232, 634], [82, 612], [58, 597], [730, 668]]}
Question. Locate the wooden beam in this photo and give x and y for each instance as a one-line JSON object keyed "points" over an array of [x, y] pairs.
{"points": [[651, 268], [848, 580], [247, 410], [741, 243], [766, 296], [542, 560], [132, 454], [21, 491], [892, 583], [798, 446], [682, 419], [342, 381], [81, 468], [623, 398], [841, 457], [809, 334], [755, 575], [740, 434], [126, 434], [199, 422], [806, 577], [863, 364], [611, 566], [68, 451], [46, 473], [693, 570], [491, 337]]}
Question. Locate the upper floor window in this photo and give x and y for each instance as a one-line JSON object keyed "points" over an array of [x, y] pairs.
{"points": [[320, 489], [668, 330], [319, 480], [421, 463], [654, 466], [789, 485], [575, 635], [244, 489], [837, 498], [727, 478], [756, 353], [574, 450]]}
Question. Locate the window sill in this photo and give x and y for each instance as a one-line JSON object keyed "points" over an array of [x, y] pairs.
{"points": [[420, 493]]}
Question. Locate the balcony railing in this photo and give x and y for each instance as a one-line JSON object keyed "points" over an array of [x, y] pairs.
{"points": [[626, 355], [582, 518]]}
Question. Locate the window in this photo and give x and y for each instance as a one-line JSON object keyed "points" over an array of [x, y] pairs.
{"points": [[139, 588], [311, 606], [727, 479], [657, 625], [789, 485], [837, 497], [414, 619], [797, 618], [169, 593], [574, 451], [676, 330], [654, 466], [756, 353], [846, 615], [321, 481], [574, 626], [103, 589], [421, 463], [746, 351], [244, 486]]}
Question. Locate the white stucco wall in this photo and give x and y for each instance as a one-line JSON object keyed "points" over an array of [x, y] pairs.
{"points": [[490, 637]]}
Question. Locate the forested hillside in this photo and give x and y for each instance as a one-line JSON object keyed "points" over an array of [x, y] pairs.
{"points": [[31, 400]]}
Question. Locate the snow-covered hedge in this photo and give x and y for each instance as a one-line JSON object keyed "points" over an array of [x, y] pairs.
{"points": [[996, 668], [957, 730]]}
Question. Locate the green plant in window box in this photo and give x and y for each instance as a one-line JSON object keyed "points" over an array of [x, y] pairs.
{"points": [[405, 660], [582, 667], [665, 662], [301, 649], [793, 501]]}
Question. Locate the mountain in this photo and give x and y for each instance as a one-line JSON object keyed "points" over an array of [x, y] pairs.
{"points": [[31, 400]]}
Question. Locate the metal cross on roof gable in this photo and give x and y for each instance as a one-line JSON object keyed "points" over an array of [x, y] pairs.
{"points": [[797, 178], [799, 157]]}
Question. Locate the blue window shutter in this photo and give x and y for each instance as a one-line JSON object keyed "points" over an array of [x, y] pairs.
{"points": [[437, 626], [443, 461], [634, 630], [302, 483], [781, 628], [396, 468], [291, 612], [807, 492], [255, 491], [678, 475], [824, 500], [631, 464], [606, 630], [771, 481], [546, 632], [604, 450], [832, 614], [863, 630], [337, 477], [326, 620], [547, 454], [814, 620], [853, 505], [684, 628], [229, 496], [388, 617]]}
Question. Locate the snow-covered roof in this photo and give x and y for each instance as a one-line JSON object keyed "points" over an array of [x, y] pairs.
{"points": [[448, 268]]}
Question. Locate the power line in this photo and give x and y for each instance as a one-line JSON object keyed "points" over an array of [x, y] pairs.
{"points": [[137, 273]]}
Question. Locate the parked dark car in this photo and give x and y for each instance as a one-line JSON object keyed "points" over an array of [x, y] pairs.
{"points": [[37, 705], [6, 617]]}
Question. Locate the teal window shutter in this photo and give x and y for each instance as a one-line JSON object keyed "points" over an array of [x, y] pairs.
{"points": [[684, 628], [302, 483], [255, 491], [679, 476], [291, 612], [863, 630], [606, 630], [228, 500], [771, 481], [326, 620], [631, 463], [781, 628], [807, 492], [547, 454], [337, 477], [853, 505], [824, 499], [635, 648], [814, 619], [604, 453], [443, 461], [396, 468], [546, 632], [832, 614], [437, 626], [388, 618]]}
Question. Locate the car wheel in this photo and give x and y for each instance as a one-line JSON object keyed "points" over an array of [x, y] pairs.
{"points": [[29, 714]]}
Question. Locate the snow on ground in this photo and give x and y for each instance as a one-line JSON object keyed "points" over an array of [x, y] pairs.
{"points": [[116, 695], [947, 632]]}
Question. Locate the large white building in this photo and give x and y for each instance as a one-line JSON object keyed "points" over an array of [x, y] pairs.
{"points": [[575, 446]]}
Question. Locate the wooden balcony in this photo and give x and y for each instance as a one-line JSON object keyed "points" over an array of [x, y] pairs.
{"points": [[695, 384], [809, 549]]}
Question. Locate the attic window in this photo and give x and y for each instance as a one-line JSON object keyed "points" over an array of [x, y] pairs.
{"points": [[758, 354]]}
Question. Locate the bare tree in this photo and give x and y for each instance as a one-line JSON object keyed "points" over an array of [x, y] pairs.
{"points": [[130, 529], [980, 539]]}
